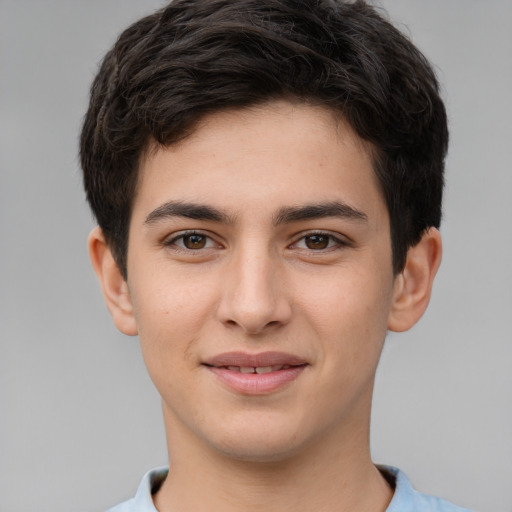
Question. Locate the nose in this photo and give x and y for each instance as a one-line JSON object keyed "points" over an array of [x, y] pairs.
{"points": [[254, 295]]}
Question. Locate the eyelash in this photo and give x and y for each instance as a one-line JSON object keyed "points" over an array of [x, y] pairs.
{"points": [[333, 242], [183, 235]]}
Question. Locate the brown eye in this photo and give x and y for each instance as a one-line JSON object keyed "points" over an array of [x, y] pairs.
{"points": [[317, 242], [194, 241]]}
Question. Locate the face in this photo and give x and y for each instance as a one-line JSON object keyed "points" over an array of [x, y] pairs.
{"points": [[260, 275]]}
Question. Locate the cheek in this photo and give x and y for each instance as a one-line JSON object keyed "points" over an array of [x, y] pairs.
{"points": [[348, 301], [170, 314], [348, 316]]}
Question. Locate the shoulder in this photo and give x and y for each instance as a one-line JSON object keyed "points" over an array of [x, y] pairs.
{"points": [[406, 498], [143, 501]]}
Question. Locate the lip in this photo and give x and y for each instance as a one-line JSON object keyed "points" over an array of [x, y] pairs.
{"points": [[255, 383], [261, 359]]}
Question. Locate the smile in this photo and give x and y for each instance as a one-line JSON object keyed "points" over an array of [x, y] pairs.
{"points": [[255, 374], [257, 369]]}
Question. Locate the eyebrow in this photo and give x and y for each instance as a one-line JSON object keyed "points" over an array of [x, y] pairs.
{"points": [[319, 211], [189, 211], [285, 215]]}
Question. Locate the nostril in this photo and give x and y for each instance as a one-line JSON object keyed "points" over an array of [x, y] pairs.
{"points": [[253, 304]]}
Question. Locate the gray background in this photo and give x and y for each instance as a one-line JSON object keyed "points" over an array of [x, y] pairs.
{"points": [[79, 419]]}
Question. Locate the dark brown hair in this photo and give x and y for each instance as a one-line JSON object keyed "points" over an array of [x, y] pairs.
{"points": [[195, 57]]}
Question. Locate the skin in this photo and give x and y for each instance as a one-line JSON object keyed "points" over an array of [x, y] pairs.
{"points": [[263, 275]]}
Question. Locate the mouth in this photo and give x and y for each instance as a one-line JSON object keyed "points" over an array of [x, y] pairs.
{"points": [[256, 369], [261, 360], [256, 374]]}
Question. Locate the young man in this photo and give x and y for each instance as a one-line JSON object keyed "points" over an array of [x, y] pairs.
{"points": [[267, 179]]}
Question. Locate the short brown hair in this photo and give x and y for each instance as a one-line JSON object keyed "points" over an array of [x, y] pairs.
{"points": [[195, 57]]}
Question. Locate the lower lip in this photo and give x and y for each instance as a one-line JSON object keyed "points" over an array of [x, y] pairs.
{"points": [[256, 383]]}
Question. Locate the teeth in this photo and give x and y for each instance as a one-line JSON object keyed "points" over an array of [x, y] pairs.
{"points": [[258, 369], [264, 369]]}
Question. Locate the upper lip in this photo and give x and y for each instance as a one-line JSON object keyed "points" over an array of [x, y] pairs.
{"points": [[262, 359]]}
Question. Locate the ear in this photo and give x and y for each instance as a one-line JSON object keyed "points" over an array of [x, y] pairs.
{"points": [[413, 286], [115, 288]]}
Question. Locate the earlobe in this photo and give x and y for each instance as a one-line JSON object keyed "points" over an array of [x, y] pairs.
{"points": [[114, 287], [413, 286]]}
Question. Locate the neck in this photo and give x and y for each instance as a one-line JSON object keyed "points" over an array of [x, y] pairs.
{"points": [[328, 476]]}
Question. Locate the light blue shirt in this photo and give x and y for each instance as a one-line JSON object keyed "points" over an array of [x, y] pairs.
{"points": [[405, 498]]}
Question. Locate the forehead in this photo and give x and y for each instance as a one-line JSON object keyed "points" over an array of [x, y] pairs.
{"points": [[274, 155]]}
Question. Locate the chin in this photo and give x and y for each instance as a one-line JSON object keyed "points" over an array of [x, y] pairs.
{"points": [[260, 452], [260, 443]]}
